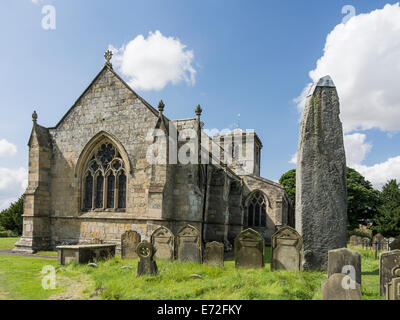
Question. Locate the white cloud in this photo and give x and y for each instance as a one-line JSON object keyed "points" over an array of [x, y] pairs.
{"points": [[13, 183], [7, 149], [356, 148], [153, 62], [293, 160], [5, 203], [363, 59], [380, 173]]}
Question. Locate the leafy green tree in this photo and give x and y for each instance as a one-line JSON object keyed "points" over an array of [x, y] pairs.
{"points": [[11, 218], [288, 180], [387, 221], [362, 198]]}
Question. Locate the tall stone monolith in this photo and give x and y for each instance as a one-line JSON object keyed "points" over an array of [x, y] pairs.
{"points": [[321, 193]]}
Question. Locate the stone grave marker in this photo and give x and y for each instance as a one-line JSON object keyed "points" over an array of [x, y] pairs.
{"points": [[249, 250], [387, 261], [214, 254], [129, 241], [163, 241], [339, 287], [287, 250], [146, 264], [393, 287], [345, 261], [188, 243], [395, 244], [377, 242]]}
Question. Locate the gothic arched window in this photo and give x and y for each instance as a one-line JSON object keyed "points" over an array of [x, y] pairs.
{"points": [[257, 211], [104, 180]]}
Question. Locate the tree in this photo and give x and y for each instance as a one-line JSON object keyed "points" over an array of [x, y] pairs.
{"points": [[387, 220], [11, 218], [288, 180], [362, 198]]}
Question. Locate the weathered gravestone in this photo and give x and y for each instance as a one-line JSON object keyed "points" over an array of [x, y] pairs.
{"points": [[355, 241], [188, 242], [129, 241], [163, 241], [340, 287], [214, 254], [377, 242], [146, 265], [287, 250], [366, 242], [321, 190], [393, 287], [249, 250], [345, 261], [387, 261], [395, 244]]}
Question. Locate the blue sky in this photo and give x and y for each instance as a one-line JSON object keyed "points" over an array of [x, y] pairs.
{"points": [[251, 58]]}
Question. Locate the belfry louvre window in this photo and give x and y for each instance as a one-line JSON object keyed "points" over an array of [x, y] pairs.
{"points": [[257, 211], [104, 181]]}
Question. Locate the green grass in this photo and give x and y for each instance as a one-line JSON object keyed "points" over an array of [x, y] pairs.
{"points": [[20, 278], [7, 243], [47, 253]]}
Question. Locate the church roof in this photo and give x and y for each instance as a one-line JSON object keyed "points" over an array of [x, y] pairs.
{"points": [[108, 67]]}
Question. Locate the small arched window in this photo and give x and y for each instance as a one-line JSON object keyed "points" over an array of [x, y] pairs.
{"points": [[257, 211], [104, 180]]}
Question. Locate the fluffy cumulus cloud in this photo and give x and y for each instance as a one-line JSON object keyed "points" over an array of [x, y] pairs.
{"points": [[380, 173], [356, 148], [153, 62], [362, 57], [13, 183], [7, 149]]}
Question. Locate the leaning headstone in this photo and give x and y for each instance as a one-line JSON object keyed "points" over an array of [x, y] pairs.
{"points": [[393, 287], [340, 287], [163, 241], [146, 265], [129, 241], [188, 242], [345, 261], [321, 190], [395, 244], [287, 250], [249, 250], [387, 261], [214, 254]]}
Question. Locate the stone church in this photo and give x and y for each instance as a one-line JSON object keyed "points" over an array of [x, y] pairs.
{"points": [[90, 178]]}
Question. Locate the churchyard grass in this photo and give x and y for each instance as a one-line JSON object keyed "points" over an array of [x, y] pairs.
{"points": [[7, 243], [20, 278]]}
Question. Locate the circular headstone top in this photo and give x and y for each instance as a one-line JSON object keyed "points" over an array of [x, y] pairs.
{"points": [[145, 249]]}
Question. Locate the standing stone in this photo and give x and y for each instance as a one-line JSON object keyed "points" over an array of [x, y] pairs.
{"points": [[214, 254], [188, 241], [345, 261], [163, 241], [129, 241], [337, 287], [387, 261], [146, 265], [321, 192], [287, 250], [249, 250], [393, 287]]}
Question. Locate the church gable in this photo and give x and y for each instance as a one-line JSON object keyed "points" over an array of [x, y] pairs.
{"points": [[106, 91]]}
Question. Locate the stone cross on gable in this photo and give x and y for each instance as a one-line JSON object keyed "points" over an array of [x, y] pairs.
{"points": [[108, 56]]}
